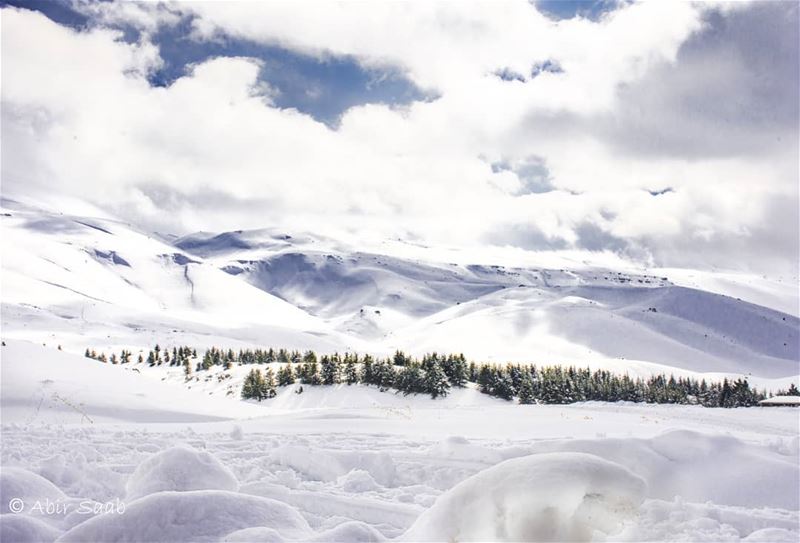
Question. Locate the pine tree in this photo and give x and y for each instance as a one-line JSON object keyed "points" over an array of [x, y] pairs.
{"points": [[526, 395], [309, 372], [385, 375], [486, 379], [350, 372], [268, 384], [434, 380], [400, 358], [368, 371], [330, 370], [504, 388], [286, 375], [456, 369], [251, 389], [409, 379]]}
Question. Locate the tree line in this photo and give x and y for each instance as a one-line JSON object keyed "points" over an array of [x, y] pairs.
{"points": [[435, 374]]}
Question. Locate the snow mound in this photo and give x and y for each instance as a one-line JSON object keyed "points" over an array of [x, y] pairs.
{"points": [[254, 535], [358, 480], [349, 532], [201, 515], [678, 520], [26, 486], [459, 448], [543, 497], [330, 465], [772, 535], [25, 529], [698, 467], [180, 468]]}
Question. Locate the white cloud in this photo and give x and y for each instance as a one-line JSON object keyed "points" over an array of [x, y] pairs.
{"points": [[211, 151]]}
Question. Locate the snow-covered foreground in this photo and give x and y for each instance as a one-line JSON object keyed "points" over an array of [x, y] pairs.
{"points": [[312, 467]]}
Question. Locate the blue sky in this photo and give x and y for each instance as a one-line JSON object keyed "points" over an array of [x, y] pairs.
{"points": [[322, 88]]}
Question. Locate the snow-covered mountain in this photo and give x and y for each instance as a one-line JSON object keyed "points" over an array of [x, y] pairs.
{"points": [[81, 281]]}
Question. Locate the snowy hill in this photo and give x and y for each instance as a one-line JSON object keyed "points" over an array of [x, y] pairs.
{"points": [[88, 281], [583, 314], [82, 281]]}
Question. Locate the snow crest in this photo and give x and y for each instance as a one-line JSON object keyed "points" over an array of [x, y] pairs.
{"points": [[181, 469], [544, 497], [200, 515]]}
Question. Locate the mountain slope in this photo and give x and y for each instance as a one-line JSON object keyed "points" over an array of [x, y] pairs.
{"points": [[81, 281], [96, 278], [585, 314]]}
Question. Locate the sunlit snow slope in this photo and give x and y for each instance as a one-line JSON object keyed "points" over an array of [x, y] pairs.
{"points": [[84, 282], [577, 314]]}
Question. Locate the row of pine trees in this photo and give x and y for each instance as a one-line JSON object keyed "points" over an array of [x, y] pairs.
{"points": [[436, 374]]}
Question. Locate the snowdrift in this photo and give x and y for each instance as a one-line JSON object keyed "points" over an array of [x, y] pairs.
{"points": [[180, 468], [199, 515], [185, 486], [544, 497]]}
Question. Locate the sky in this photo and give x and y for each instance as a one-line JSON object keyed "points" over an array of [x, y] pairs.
{"points": [[664, 132]]}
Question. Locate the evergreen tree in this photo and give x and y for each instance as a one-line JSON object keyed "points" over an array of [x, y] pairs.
{"points": [[409, 379], [330, 370], [526, 390], [400, 358], [268, 384], [456, 369], [251, 389], [486, 379], [385, 375], [368, 376], [504, 388], [434, 380], [309, 372], [286, 375], [350, 372]]}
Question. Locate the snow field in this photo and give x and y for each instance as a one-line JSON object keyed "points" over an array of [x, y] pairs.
{"points": [[198, 483]]}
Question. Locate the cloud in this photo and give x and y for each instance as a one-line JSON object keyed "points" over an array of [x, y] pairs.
{"points": [[646, 96]]}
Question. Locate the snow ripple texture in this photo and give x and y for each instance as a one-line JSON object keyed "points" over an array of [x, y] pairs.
{"points": [[252, 486]]}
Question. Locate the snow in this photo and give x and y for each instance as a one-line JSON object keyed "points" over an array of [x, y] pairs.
{"points": [[187, 460], [22, 529], [199, 515], [93, 281], [313, 468], [180, 469], [25, 485], [543, 497], [40, 384], [781, 400]]}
